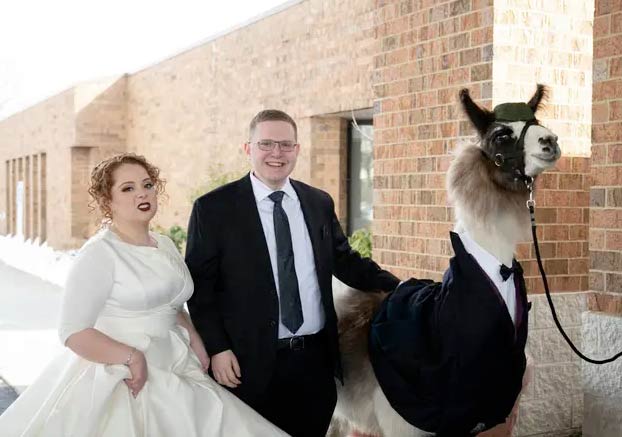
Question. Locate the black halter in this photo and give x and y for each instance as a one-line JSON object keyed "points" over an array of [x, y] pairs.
{"points": [[510, 157]]}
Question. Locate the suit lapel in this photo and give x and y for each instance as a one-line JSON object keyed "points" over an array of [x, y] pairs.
{"points": [[250, 226], [312, 212]]}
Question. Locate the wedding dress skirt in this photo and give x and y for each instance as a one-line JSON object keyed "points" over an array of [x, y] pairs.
{"points": [[74, 397]]}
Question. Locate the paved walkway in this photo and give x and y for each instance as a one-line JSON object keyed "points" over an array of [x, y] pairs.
{"points": [[7, 395], [29, 309]]}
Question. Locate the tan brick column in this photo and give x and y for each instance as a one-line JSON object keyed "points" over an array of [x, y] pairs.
{"points": [[329, 160]]}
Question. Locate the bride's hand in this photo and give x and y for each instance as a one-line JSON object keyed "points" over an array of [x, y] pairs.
{"points": [[199, 349], [138, 369]]}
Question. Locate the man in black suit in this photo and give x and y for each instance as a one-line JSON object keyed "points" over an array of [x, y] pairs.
{"points": [[262, 251]]}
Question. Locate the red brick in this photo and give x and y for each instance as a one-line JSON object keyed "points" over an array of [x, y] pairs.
{"points": [[578, 266], [599, 154], [605, 218], [555, 232], [580, 165], [557, 198], [613, 240], [607, 176], [614, 154], [471, 21], [602, 26], [570, 181], [570, 215], [481, 36], [481, 4], [577, 232], [600, 112], [607, 303], [596, 283], [597, 239]]}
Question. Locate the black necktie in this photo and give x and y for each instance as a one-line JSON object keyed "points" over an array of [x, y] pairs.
{"points": [[506, 271], [291, 309]]}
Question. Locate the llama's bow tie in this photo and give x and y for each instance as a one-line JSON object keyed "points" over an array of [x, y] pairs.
{"points": [[506, 271]]}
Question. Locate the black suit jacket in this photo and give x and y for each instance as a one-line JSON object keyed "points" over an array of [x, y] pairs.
{"points": [[235, 304], [447, 355]]}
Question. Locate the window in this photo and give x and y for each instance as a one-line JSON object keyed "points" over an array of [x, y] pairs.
{"points": [[360, 175]]}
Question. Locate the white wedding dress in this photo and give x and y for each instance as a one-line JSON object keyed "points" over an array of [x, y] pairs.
{"points": [[132, 294]]}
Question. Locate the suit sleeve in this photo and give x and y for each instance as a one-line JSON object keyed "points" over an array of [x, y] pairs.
{"points": [[202, 258], [354, 270]]}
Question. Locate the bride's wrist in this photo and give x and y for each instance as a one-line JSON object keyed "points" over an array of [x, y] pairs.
{"points": [[130, 357]]}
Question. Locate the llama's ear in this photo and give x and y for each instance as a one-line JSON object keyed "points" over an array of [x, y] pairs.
{"points": [[538, 99], [480, 117]]}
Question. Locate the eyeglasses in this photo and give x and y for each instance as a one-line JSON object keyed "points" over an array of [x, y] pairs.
{"points": [[268, 145]]}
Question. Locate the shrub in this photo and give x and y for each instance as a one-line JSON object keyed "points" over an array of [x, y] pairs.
{"points": [[360, 240]]}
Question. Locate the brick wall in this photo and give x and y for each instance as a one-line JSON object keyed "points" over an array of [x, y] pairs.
{"points": [[605, 235], [312, 59], [90, 117], [429, 51], [558, 54], [329, 160], [45, 128]]}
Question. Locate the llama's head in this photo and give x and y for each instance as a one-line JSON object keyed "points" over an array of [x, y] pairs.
{"points": [[512, 138]]}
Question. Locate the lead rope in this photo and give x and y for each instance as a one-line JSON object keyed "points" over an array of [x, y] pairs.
{"points": [[531, 203]]}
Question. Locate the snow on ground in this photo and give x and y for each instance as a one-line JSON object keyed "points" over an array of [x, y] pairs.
{"points": [[37, 259]]}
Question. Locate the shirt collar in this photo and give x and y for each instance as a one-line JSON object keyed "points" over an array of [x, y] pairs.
{"points": [[487, 261], [261, 190]]}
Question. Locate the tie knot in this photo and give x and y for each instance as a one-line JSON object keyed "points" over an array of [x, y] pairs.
{"points": [[277, 196]]}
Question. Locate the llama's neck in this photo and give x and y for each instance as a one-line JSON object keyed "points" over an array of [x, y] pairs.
{"points": [[495, 217], [499, 240]]}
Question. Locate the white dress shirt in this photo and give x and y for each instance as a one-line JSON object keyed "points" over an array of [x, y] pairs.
{"points": [[304, 261], [492, 267]]}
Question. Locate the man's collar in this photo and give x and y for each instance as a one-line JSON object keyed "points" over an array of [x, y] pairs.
{"points": [[261, 190]]}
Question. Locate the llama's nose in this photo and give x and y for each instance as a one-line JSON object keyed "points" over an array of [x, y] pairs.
{"points": [[549, 145]]}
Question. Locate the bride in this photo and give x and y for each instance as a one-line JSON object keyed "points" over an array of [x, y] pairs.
{"points": [[135, 365]]}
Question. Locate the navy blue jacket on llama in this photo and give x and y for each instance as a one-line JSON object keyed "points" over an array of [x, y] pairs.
{"points": [[447, 355]]}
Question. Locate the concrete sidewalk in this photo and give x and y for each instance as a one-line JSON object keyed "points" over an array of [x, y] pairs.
{"points": [[29, 310], [7, 395]]}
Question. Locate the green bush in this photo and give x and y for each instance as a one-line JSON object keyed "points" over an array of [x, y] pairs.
{"points": [[360, 240], [175, 233], [216, 176]]}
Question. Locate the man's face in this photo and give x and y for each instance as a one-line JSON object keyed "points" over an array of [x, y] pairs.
{"points": [[272, 167]]}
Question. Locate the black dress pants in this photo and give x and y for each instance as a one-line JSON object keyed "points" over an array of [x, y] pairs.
{"points": [[301, 396]]}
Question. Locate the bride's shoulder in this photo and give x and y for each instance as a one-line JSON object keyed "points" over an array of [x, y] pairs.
{"points": [[164, 242], [97, 246]]}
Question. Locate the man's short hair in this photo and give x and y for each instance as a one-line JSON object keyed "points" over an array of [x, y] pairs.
{"points": [[271, 115]]}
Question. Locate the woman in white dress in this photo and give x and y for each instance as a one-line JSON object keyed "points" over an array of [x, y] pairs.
{"points": [[135, 365]]}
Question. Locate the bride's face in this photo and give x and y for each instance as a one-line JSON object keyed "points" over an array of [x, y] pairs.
{"points": [[133, 194]]}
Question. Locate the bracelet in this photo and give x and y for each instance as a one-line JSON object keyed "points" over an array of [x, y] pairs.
{"points": [[129, 357]]}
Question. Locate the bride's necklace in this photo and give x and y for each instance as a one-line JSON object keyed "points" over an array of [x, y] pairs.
{"points": [[125, 238]]}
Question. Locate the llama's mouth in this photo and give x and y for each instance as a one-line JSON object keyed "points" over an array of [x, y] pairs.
{"points": [[549, 158]]}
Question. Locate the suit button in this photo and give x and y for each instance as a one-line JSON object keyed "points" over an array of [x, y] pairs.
{"points": [[272, 323]]}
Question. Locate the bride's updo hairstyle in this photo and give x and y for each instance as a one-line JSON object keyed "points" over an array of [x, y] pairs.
{"points": [[102, 181]]}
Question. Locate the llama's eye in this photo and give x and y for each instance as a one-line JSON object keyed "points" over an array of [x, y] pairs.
{"points": [[503, 138]]}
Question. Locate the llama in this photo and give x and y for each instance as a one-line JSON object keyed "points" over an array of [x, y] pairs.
{"points": [[487, 184]]}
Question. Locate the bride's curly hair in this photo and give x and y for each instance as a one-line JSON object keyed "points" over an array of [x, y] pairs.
{"points": [[102, 181]]}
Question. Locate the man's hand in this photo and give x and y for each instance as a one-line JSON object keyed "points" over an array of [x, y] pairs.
{"points": [[226, 369]]}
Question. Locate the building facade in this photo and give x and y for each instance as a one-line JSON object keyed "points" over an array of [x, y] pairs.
{"points": [[373, 85]]}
